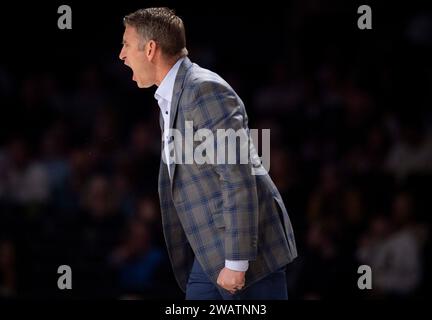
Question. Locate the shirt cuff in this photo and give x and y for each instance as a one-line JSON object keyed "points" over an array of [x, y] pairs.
{"points": [[237, 265]]}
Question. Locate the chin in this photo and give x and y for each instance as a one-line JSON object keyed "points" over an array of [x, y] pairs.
{"points": [[143, 86], [140, 84]]}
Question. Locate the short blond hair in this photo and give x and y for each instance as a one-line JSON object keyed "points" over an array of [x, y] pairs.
{"points": [[161, 25]]}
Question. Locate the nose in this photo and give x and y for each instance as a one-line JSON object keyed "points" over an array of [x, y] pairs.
{"points": [[122, 54]]}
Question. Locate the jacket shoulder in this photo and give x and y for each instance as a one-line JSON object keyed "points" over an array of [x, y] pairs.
{"points": [[200, 79]]}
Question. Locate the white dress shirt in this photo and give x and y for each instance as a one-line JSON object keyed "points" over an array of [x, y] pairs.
{"points": [[163, 95]]}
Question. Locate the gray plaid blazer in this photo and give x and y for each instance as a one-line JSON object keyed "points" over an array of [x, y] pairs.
{"points": [[213, 211]]}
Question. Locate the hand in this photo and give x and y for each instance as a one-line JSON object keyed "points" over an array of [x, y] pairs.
{"points": [[231, 280]]}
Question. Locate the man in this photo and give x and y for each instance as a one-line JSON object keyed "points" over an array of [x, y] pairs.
{"points": [[227, 231]]}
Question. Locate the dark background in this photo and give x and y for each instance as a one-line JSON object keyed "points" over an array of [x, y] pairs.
{"points": [[351, 150]]}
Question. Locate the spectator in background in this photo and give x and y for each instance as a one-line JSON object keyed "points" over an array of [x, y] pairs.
{"points": [[54, 158], [80, 165], [148, 213], [89, 98], [412, 153], [353, 218], [98, 229], [144, 149], [282, 94], [392, 249], [324, 201], [138, 261], [23, 180], [124, 191], [104, 144], [324, 270]]}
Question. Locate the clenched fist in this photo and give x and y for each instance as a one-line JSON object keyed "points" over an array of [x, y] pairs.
{"points": [[231, 280]]}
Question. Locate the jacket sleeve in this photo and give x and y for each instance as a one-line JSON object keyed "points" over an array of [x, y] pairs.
{"points": [[217, 108]]}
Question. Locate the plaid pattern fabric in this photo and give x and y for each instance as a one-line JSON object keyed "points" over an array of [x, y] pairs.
{"points": [[219, 211]]}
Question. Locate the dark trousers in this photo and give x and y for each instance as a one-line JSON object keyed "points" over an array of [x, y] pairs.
{"points": [[272, 287]]}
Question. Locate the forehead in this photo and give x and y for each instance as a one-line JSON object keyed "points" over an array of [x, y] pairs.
{"points": [[130, 34]]}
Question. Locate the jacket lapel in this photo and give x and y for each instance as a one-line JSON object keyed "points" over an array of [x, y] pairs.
{"points": [[177, 92]]}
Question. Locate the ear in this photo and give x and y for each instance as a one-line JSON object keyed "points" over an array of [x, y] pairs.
{"points": [[151, 50]]}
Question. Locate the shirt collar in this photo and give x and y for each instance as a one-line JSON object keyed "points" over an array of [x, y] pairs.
{"points": [[166, 88]]}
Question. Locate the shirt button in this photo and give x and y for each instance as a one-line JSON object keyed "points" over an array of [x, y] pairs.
{"points": [[166, 112]]}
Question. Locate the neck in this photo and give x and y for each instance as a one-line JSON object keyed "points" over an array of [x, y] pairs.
{"points": [[163, 69]]}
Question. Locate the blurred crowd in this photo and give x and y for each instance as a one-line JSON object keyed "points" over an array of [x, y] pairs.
{"points": [[351, 154]]}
